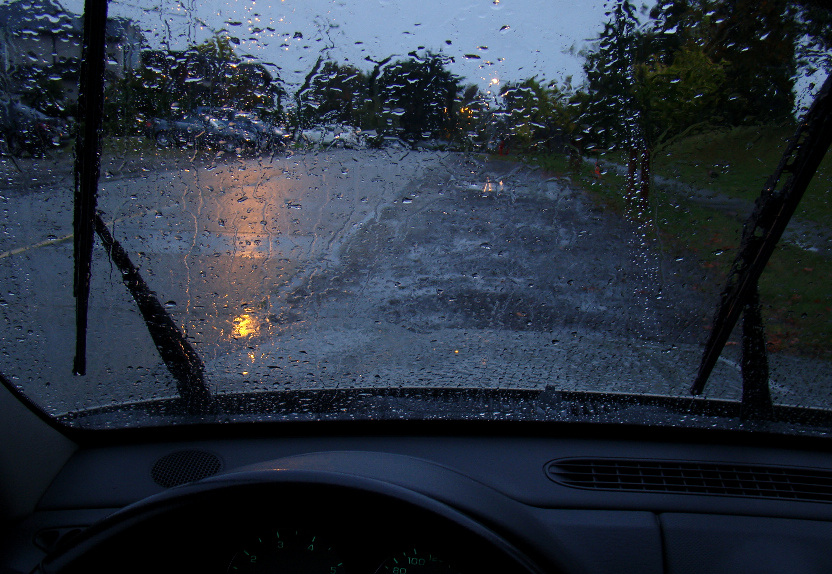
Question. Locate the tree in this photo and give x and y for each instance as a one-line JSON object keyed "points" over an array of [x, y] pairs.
{"points": [[471, 111], [122, 104], [673, 97], [336, 94], [209, 74], [753, 41], [612, 109], [536, 115], [42, 87], [160, 89], [757, 39], [814, 23], [251, 86], [417, 98]]}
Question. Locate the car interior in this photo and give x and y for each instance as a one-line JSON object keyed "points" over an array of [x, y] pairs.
{"points": [[489, 497]]}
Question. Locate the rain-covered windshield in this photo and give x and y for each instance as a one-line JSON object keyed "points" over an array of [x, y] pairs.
{"points": [[523, 204]]}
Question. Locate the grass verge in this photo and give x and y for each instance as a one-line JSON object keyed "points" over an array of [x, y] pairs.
{"points": [[795, 289]]}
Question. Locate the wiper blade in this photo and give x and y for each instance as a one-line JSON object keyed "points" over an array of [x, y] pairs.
{"points": [[761, 233], [87, 166], [177, 353]]}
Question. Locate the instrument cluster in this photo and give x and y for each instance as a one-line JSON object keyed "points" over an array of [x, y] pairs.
{"points": [[292, 528]]}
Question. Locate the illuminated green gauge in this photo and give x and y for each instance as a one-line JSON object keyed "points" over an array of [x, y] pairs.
{"points": [[415, 562], [287, 552]]}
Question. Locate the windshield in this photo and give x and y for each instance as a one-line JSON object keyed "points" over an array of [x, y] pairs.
{"points": [[507, 209]]}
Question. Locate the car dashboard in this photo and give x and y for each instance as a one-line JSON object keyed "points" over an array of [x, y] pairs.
{"points": [[411, 498]]}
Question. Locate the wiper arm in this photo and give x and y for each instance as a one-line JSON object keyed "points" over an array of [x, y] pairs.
{"points": [[87, 166], [178, 355], [176, 352], [761, 233]]}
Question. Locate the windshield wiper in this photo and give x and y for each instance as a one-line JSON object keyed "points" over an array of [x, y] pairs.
{"points": [[87, 165], [761, 233], [176, 352]]}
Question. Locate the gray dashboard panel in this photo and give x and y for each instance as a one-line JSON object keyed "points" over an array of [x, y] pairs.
{"points": [[499, 482]]}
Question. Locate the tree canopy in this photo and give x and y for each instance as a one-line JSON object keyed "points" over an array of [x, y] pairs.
{"points": [[208, 74], [416, 97]]}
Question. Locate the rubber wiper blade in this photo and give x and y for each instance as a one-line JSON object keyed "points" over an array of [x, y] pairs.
{"points": [[87, 166], [762, 231], [180, 358], [176, 352]]}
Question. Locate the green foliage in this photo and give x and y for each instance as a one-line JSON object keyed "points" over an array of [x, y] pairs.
{"points": [[611, 111], [718, 62], [757, 39], [41, 88], [814, 23], [217, 49], [337, 94], [537, 117], [416, 98], [122, 105], [471, 109], [209, 74], [673, 97], [755, 43]]}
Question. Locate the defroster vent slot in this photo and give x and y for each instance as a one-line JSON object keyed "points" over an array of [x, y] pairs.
{"points": [[683, 477]]}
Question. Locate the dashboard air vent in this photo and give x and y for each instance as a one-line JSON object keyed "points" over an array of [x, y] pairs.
{"points": [[184, 466], [709, 478]]}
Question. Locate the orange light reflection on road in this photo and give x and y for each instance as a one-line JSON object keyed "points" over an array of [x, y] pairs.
{"points": [[245, 325]]}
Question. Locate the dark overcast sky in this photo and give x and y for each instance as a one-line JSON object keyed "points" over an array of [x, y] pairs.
{"points": [[490, 41]]}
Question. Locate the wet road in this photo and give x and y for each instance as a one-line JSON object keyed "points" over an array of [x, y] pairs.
{"points": [[355, 268]]}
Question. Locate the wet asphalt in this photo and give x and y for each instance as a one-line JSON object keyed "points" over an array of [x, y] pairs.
{"points": [[358, 269]]}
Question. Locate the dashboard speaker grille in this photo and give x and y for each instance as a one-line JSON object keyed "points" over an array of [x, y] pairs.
{"points": [[708, 478], [184, 466]]}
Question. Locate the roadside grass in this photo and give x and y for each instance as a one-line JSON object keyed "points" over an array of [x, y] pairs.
{"points": [[737, 162], [797, 302], [684, 227], [795, 289]]}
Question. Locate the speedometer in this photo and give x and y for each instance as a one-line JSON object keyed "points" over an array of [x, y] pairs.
{"points": [[412, 561], [287, 551]]}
